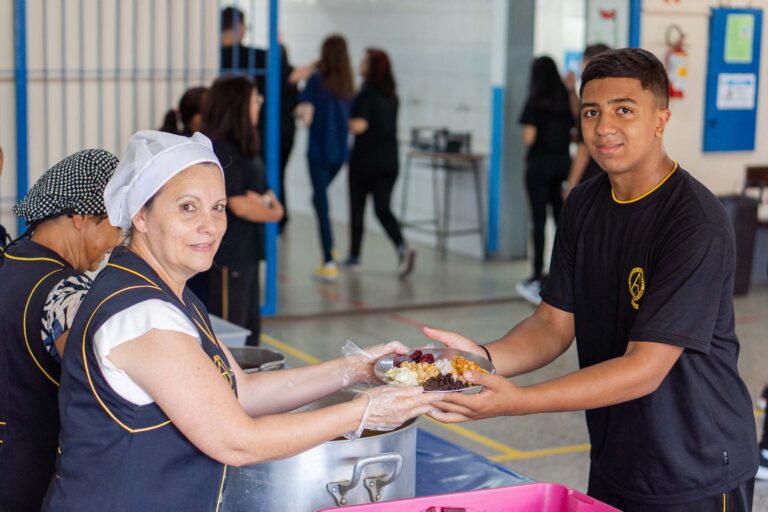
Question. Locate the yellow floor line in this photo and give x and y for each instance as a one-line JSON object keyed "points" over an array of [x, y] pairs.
{"points": [[546, 452], [506, 450], [287, 349]]}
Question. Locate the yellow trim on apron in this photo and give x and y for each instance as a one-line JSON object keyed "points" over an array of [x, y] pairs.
{"points": [[200, 325], [134, 273], [24, 324], [88, 372], [19, 258], [221, 487]]}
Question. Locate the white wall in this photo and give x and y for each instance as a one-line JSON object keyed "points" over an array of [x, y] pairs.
{"points": [[721, 172], [560, 27], [441, 53]]}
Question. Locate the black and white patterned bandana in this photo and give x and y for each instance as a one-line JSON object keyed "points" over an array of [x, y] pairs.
{"points": [[74, 186]]}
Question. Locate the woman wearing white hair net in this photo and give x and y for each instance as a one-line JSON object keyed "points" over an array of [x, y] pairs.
{"points": [[153, 406]]}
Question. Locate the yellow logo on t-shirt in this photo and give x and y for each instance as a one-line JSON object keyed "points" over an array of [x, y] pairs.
{"points": [[222, 367], [636, 286]]}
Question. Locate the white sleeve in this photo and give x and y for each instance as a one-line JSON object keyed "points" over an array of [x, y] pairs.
{"points": [[131, 323]]}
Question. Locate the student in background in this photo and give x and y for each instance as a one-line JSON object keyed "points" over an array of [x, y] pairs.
{"points": [[583, 166], [230, 119], [325, 107], [237, 57], [189, 114], [374, 163], [547, 122]]}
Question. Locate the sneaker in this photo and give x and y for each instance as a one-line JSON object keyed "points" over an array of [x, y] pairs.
{"points": [[762, 402], [352, 265], [407, 259], [762, 470], [335, 255], [327, 273], [530, 290]]}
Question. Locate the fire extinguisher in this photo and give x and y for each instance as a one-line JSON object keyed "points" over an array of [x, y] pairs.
{"points": [[676, 61]]}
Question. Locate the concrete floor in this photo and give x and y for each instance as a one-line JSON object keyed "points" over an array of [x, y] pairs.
{"points": [[471, 297]]}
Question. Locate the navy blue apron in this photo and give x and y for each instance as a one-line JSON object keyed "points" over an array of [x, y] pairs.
{"points": [[116, 455], [29, 376]]}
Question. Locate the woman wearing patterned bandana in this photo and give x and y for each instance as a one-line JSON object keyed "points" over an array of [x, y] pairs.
{"points": [[43, 283]]}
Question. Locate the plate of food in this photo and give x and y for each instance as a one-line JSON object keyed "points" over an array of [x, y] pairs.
{"points": [[436, 369]]}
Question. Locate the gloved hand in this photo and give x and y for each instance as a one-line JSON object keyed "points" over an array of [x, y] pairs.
{"points": [[358, 362], [391, 406]]}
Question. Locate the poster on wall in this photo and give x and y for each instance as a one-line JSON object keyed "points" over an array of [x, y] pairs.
{"points": [[739, 31], [608, 22], [736, 91]]}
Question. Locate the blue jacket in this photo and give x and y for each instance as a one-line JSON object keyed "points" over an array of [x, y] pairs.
{"points": [[329, 130]]}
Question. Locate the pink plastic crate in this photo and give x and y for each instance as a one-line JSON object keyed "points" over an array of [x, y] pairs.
{"points": [[537, 497]]}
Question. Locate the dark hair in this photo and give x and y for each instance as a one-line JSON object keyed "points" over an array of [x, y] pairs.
{"points": [[230, 16], [630, 63], [227, 113], [335, 68], [379, 73], [546, 89], [190, 105], [593, 50]]}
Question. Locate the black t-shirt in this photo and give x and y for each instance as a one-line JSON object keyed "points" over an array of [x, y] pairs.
{"points": [[660, 270], [254, 61], [375, 151], [553, 131], [243, 242]]}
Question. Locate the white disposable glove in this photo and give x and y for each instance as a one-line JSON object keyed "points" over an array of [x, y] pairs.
{"points": [[359, 362], [390, 406]]}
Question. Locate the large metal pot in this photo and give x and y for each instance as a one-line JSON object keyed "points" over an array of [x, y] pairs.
{"points": [[378, 466], [257, 359]]}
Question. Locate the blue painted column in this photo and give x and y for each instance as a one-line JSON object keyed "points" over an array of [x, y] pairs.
{"points": [[495, 161], [22, 140], [272, 155], [635, 15]]}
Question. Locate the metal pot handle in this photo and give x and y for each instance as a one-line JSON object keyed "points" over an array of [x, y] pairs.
{"points": [[271, 365], [373, 484]]}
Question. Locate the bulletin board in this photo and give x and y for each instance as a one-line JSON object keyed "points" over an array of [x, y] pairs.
{"points": [[733, 72]]}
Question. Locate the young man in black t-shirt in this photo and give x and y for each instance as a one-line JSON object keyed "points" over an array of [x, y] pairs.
{"points": [[642, 275]]}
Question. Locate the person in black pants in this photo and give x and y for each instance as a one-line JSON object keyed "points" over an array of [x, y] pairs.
{"points": [[230, 117], [374, 163], [547, 124]]}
